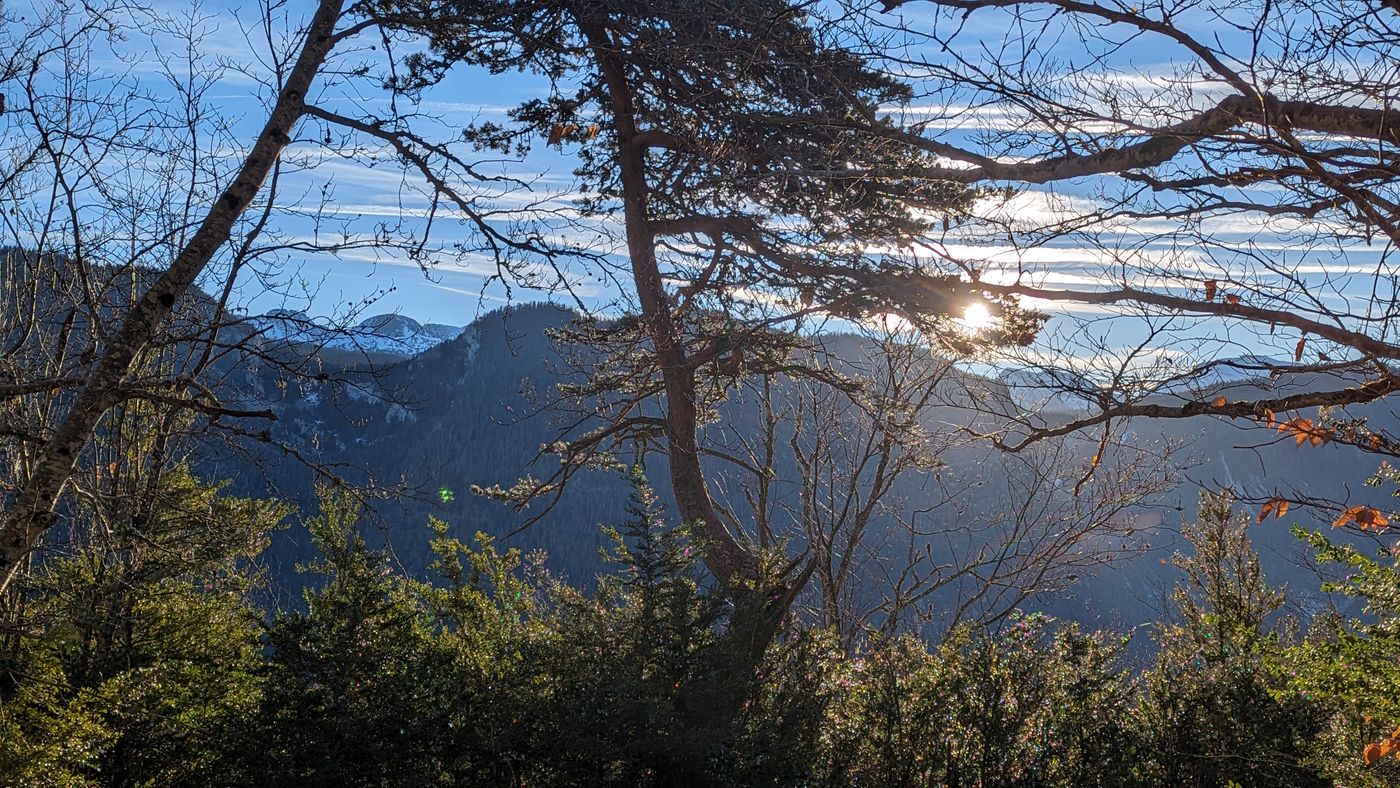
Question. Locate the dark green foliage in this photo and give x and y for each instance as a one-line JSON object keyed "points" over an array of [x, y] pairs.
{"points": [[774, 135], [1350, 666], [353, 691], [1032, 705], [129, 658], [1216, 709], [633, 655], [138, 661]]}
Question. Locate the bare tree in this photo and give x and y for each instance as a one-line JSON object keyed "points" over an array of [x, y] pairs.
{"points": [[141, 213], [909, 519], [32, 509], [1187, 183]]}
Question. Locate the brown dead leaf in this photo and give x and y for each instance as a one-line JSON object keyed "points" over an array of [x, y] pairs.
{"points": [[1365, 517]]}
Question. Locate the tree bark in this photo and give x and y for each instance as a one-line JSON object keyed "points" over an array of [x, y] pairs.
{"points": [[724, 555], [716, 700]]}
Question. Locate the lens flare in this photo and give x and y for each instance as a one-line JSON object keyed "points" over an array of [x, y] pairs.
{"points": [[977, 316]]}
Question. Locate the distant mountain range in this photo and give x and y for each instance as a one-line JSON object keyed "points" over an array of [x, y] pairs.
{"points": [[388, 334], [448, 408], [436, 409], [433, 410]]}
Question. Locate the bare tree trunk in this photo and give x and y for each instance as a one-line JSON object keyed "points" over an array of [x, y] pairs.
{"points": [[32, 510]]}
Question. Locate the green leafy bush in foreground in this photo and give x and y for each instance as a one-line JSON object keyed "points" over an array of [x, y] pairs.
{"points": [[138, 659]]}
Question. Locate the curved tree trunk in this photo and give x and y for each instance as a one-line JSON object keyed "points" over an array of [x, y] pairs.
{"points": [[724, 555], [717, 700]]}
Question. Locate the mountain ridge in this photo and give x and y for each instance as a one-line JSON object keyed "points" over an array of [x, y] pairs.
{"points": [[461, 413]]}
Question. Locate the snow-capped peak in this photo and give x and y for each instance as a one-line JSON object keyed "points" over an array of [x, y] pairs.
{"points": [[380, 334]]}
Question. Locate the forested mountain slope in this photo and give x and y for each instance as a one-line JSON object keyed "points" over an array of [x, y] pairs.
{"points": [[466, 413]]}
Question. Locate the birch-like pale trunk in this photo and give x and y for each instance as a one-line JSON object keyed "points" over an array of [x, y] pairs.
{"points": [[33, 508]]}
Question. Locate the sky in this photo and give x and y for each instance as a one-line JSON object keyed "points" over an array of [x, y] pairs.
{"points": [[361, 192]]}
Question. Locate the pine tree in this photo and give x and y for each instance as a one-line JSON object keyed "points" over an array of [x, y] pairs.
{"points": [[1215, 705], [655, 592], [355, 687]]}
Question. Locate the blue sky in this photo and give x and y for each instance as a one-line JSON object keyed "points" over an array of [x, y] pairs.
{"points": [[357, 193]]}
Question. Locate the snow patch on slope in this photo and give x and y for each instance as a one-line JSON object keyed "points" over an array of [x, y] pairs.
{"points": [[381, 334]]}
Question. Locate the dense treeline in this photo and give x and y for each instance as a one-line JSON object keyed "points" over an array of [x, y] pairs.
{"points": [[138, 658]]}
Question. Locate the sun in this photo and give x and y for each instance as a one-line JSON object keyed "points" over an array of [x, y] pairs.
{"points": [[977, 316]]}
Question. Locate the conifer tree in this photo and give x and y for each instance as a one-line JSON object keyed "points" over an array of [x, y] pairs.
{"points": [[1215, 706], [724, 158], [135, 655]]}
